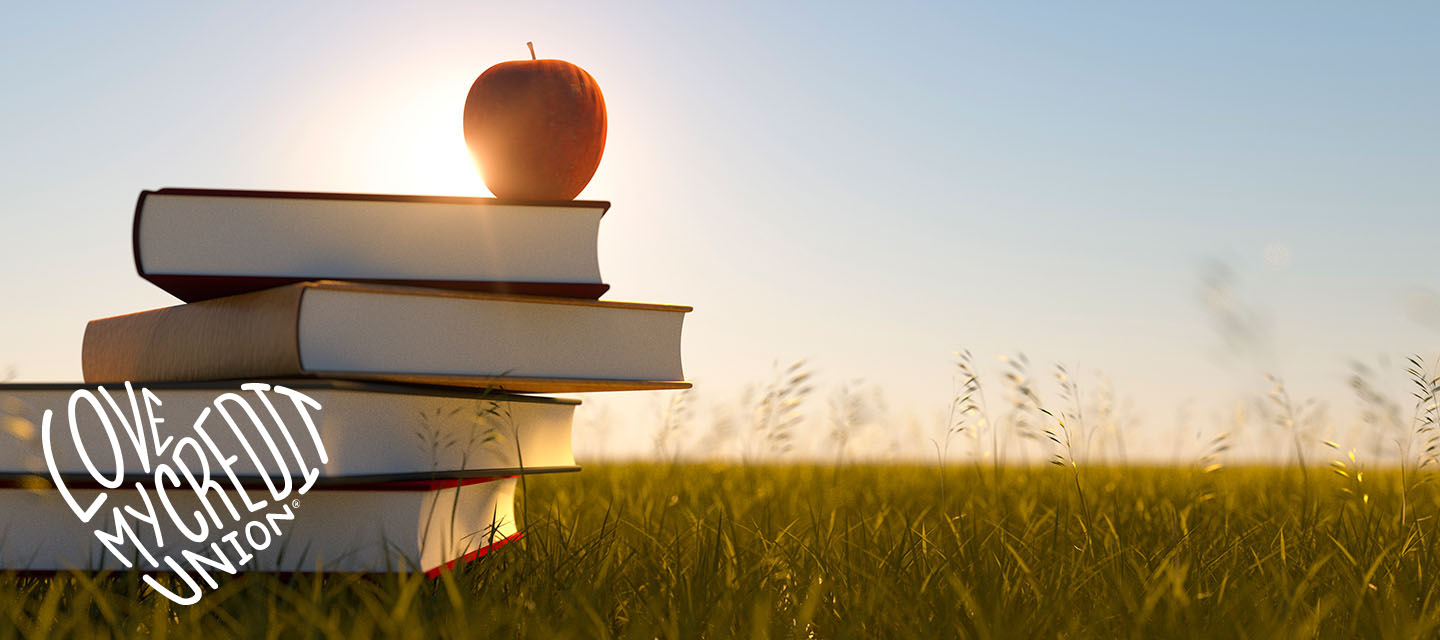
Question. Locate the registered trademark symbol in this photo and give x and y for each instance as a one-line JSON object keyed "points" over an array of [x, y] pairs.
{"points": [[295, 503]]}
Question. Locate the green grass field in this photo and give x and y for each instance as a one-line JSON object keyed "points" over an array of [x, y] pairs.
{"points": [[707, 551]]}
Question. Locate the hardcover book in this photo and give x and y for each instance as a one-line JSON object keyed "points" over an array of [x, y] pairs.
{"points": [[374, 435], [331, 530], [346, 330], [199, 244]]}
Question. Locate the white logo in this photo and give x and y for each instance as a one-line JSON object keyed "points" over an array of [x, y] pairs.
{"points": [[242, 524]]}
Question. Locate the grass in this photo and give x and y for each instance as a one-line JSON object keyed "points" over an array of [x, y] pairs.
{"points": [[710, 551]]}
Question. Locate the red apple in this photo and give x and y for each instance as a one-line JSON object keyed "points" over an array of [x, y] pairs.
{"points": [[535, 128]]}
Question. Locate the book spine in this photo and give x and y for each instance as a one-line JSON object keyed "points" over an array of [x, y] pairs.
{"points": [[135, 248], [246, 336]]}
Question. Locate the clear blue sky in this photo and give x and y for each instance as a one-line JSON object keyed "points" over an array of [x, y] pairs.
{"points": [[865, 186]]}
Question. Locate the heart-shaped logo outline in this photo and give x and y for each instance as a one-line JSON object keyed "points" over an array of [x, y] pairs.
{"points": [[228, 406]]}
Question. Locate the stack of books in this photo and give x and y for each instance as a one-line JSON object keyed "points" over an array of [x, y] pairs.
{"points": [[354, 370]]}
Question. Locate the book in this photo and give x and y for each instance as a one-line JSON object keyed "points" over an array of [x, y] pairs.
{"points": [[373, 435], [199, 244], [330, 530], [346, 330]]}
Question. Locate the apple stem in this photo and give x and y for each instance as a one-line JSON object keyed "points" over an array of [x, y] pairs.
{"points": [[532, 49]]}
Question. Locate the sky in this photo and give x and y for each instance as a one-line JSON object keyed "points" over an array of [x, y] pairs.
{"points": [[865, 187]]}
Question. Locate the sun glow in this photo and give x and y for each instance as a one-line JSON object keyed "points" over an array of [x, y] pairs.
{"points": [[428, 154], [416, 143]]}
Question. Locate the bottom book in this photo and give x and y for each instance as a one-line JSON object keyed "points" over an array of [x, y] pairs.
{"points": [[323, 530]]}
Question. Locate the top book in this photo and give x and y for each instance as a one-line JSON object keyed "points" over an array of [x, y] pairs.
{"points": [[200, 244]]}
